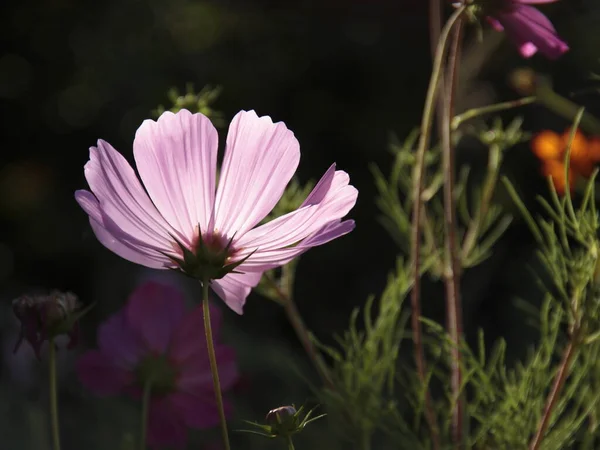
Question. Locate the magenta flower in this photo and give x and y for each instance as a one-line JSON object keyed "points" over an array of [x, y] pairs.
{"points": [[154, 338], [527, 27], [182, 220]]}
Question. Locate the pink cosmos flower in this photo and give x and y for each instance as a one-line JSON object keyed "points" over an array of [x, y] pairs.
{"points": [[182, 213], [153, 337], [527, 27]]}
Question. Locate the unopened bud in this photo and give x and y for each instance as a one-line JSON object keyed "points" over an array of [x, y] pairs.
{"points": [[43, 317]]}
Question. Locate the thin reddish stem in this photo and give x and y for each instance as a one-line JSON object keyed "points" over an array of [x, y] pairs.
{"points": [[559, 382], [453, 269]]}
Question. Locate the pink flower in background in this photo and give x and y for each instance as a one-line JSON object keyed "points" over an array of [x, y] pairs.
{"points": [[527, 27], [153, 337], [182, 214]]}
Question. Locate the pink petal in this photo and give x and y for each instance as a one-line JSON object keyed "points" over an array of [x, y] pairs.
{"points": [[233, 288], [291, 228], [275, 258], [495, 24], [98, 373], [321, 189], [198, 411], [116, 240], [177, 161], [166, 427], [328, 233], [118, 339], [196, 376], [155, 311], [123, 200], [260, 159], [529, 29], [527, 49], [189, 337]]}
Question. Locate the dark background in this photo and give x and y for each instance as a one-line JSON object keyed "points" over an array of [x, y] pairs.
{"points": [[342, 74]]}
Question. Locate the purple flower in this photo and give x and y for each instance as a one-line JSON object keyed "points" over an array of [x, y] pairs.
{"points": [[527, 27], [182, 220], [154, 338]]}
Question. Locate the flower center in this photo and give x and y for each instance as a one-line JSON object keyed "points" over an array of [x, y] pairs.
{"points": [[159, 371], [209, 257]]}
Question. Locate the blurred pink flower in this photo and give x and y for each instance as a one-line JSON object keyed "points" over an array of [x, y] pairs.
{"points": [[153, 337], [527, 27], [181, 210]]}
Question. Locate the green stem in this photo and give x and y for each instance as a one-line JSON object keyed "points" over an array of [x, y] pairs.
{"points": [[53, 396], [365, 440], [453, 268], [563, 107], [290, 443], [145, 410], [213, 363], [417, 192], [496, 107]]}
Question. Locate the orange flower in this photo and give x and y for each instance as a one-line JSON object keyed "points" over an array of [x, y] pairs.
{"points": [[581, 160], [556, 170], [547, 145], [594, 149], [550, 147]]}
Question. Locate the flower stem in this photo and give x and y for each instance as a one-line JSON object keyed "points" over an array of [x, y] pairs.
{"points": [[554, 395], [453, 269], [299, 327], [213, 363], [496, 107], [53, 396], [290, 443], [145, 410], [417, 190]]}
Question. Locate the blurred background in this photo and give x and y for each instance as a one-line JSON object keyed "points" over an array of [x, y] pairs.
{"points": [[343, 75]]}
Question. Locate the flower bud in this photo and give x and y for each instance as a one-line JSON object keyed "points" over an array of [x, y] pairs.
{"points": [[43, 317], [283, 420]]}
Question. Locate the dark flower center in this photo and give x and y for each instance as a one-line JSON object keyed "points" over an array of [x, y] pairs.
{"points": [[159, 372], [209, 257]]}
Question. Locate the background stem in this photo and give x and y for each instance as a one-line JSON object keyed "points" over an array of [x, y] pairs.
{"points": [[417, 191], [453, 269], [145, 410], [53, 395]]}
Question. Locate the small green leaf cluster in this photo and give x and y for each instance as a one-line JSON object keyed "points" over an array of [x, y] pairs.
{"points": [[201, 102]]}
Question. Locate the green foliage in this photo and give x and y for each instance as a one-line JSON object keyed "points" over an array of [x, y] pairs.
{"points": [[505, 405], [364, 366], [201, 102], [482, 222]]}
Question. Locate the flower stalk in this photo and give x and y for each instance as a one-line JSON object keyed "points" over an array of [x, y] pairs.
{"points": [[290, 443], [424, 140], [145, 410], [453, 269], [213, 363], [553, 397], [53, 395]]}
